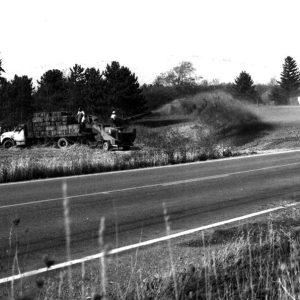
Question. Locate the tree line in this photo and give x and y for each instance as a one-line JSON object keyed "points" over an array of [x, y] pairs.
{"points": [[117, 88], [243, 88], [281, 91]]}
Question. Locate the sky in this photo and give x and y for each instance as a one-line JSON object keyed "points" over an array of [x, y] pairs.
{"points": [[220, 37]]}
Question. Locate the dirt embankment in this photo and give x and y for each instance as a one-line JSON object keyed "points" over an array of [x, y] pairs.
{"points": [[282, 130], [225, 120]]}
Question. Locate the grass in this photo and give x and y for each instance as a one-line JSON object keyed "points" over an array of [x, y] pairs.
{"points": [[259, 260], [197, 125], [78, 160]]}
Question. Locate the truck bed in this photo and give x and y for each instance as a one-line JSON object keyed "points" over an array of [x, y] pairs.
{"points": [[52, 125]]}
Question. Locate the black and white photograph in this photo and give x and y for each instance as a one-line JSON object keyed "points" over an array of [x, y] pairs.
{"points": [[149, 150]]}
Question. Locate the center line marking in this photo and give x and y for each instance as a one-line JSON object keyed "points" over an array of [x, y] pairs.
{"points": [[150, 185]]}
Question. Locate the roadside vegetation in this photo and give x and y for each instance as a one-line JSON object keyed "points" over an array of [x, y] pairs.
{"points": [[185, 130], [259, 260]]}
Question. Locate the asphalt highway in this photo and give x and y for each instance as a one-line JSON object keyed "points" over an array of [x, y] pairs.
{"points": [[32, 219]]}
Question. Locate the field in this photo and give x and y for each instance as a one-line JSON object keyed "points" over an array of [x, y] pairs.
{"points": [[192, 129], [206, 126], [258, 260]]}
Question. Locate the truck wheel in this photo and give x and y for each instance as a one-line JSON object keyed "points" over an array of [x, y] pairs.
{"points": [[8, 144], [106, 146], [62, 143]]}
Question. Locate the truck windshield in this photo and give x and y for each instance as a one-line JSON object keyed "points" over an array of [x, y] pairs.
{"points": [[18, 128]]}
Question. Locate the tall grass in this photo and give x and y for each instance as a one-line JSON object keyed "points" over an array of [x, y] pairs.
{"points": [[79, 160], [249, 262]]}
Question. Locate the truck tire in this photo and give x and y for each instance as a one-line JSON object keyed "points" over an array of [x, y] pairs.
{"points": [[62, 143], [106, 146], [8, 144]]}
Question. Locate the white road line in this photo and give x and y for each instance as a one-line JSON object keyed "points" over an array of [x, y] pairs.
{"points": [[142, 244], [150, 186], [156, 167]]}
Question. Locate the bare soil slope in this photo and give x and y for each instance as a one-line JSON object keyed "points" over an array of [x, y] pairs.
{"points": [[281, 133]]}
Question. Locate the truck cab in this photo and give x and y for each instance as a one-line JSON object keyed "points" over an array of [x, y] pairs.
{"points": [[16, 137]]}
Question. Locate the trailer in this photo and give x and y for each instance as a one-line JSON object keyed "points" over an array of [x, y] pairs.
{"points": [[63, 129]]}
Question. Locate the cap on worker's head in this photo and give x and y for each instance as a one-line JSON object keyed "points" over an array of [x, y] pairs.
{"points": [[114, 112], [79, 108]]}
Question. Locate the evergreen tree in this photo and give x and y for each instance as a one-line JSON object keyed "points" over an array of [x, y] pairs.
{"points": [[278, 96], [290, 77], [6, 107], [94, 99], [123, 91], [244, 87], [4, 97], [51, 94], [21, 96], [76, 87], [16, 100]]}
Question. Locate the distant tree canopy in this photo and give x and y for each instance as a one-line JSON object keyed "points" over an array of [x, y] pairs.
{"points": [[243, 87], [118, 88], [180, 76], [95, 92]]}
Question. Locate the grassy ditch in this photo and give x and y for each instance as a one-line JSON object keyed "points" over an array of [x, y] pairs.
{"points": [[78, 160], [186, 130], [253, 261]]}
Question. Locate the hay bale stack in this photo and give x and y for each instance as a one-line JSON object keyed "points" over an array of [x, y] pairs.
{"points": [[54, 124]]}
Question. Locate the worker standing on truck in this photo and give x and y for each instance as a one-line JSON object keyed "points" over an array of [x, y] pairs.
{"points": [[116, 121], [81, 119], [113, 115], [80, 116]]}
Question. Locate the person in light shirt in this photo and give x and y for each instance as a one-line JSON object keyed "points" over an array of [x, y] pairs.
{"points": [[113, 115], [80, 116]]}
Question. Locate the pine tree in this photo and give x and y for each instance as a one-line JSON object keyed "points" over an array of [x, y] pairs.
{"points": [[5, 103], [94, 99], [76, 83], [51, 94], [290, 77], [21, 90], [278, 96], [244, 87], [123, 91]]}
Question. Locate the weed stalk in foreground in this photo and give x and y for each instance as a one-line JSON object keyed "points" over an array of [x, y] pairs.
{"points": [[67, 231], [102, 258], [168, 230]]}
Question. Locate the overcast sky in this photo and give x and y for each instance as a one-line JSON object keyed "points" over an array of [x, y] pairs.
{"points": [[220, 37]]}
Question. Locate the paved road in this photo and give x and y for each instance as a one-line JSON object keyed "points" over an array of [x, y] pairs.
{"points": [[132, 204]]}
